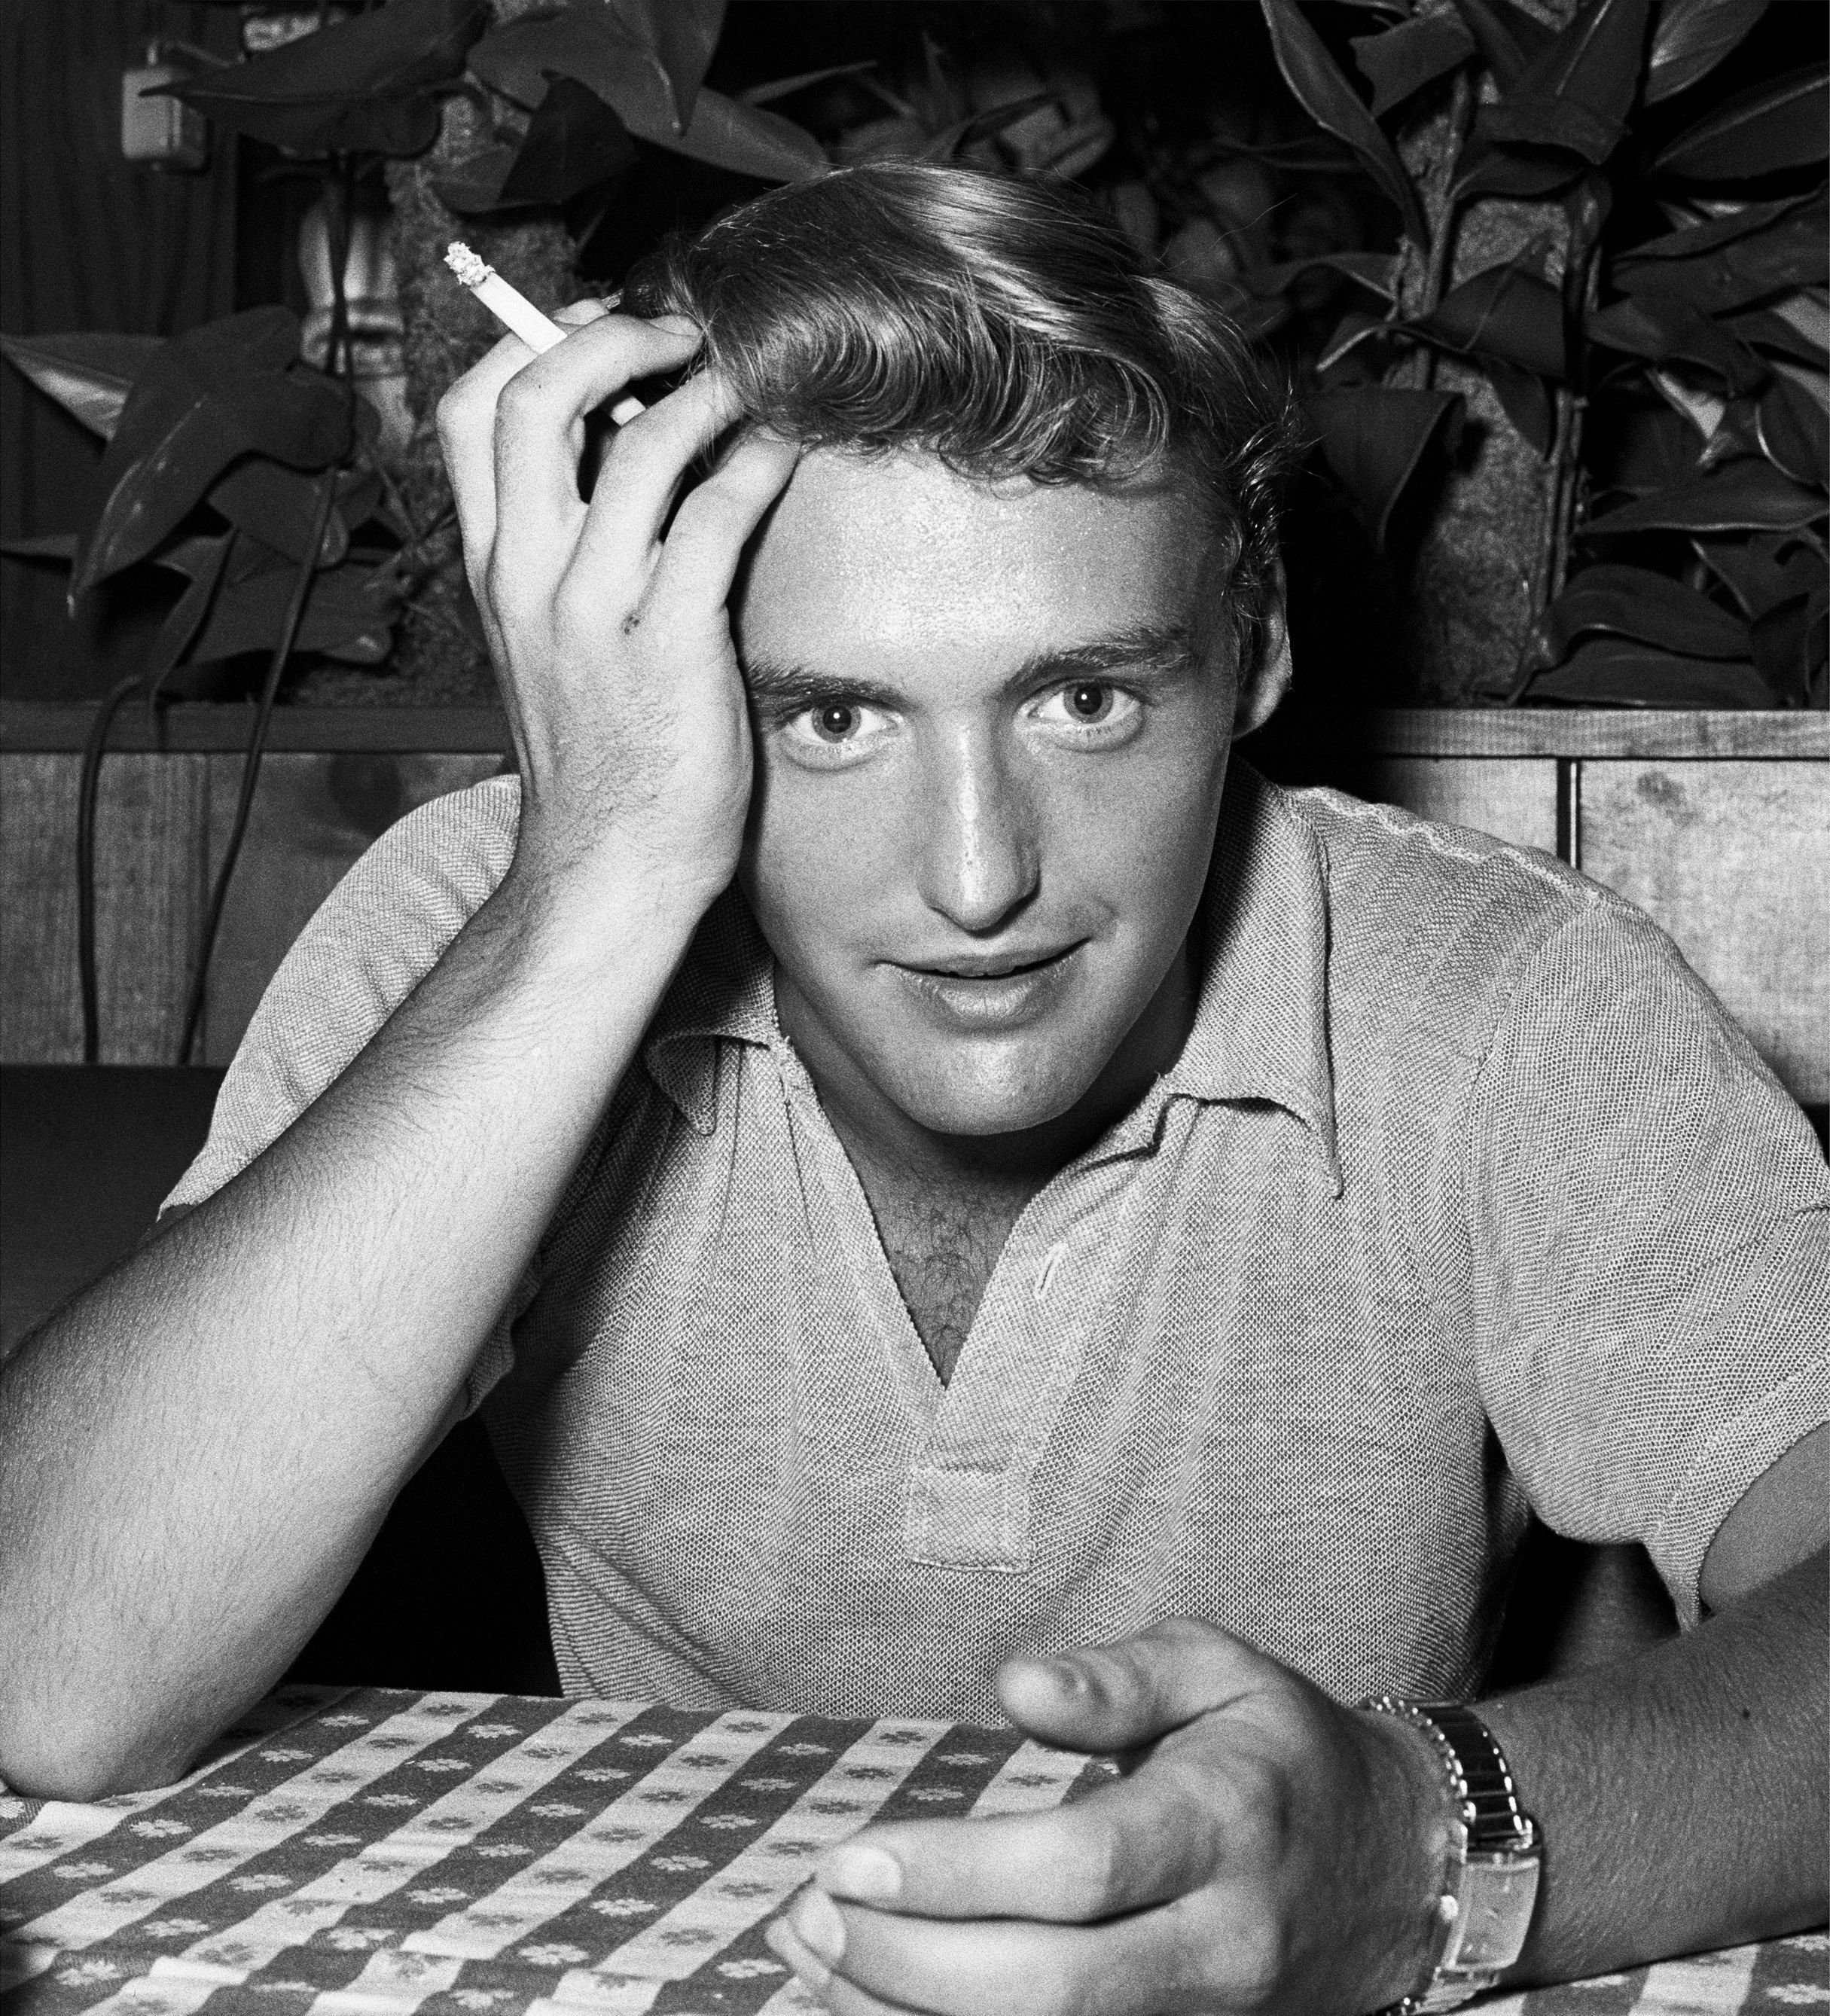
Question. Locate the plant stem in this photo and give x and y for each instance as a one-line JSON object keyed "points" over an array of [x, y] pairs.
{"points": [[1419, 369]]}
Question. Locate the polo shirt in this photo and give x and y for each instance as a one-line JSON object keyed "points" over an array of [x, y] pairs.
{"points": [[1463, 1200]]}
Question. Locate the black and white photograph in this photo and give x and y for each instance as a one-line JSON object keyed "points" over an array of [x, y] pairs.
{"points": [[914, 1007]]}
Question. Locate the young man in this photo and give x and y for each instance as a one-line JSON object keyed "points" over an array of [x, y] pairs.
{"points": [[929, 1160]]}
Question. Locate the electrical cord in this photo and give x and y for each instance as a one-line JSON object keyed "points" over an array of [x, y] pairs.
{"points": [[250, 769]]}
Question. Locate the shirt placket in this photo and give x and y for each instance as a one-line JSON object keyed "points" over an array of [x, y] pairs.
{"points": [[1068, 1274]]}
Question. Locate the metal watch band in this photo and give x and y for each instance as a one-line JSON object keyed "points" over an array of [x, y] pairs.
{"points": [[1491, 1881]]}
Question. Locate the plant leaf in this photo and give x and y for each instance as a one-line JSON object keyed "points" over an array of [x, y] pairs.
{"points": [[472, 186], [1762, 571], [1790, 643], [785, 87], [1376, 271], [213, 394], [1488, 169], [1507, 36], [682, 35], [1706, 234], [573, 140], [1657, 327], [752, 142], [1527, 401], [1792, 252], [1332, 102], [277, 506], [1373, 437], [1402, 60], [1691, 38], [588, 47], [1634, 602], [1617, 671], [1778, 124], [1543, 121], [203, 561], [1594, 62], [1764, 329], [1750, 496], [88, 374], [985, 125], [1793, 431], [364, 84], [1509, 311], [349, 611]]}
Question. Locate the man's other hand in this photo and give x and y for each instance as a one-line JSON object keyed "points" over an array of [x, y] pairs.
{"points": [[611, 641], [1264, 1849]]}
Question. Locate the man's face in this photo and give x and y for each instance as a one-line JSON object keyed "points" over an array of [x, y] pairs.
{"points": [[992, 724]]}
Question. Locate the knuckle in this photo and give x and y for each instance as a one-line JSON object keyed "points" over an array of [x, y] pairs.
{"points": [[458, 412], [1092, 1875], [522, 396]]}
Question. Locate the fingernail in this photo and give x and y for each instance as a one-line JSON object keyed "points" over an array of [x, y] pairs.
{"points": [[872, 1875], [779, 1938], [817, 1923], [1068, 1676]]}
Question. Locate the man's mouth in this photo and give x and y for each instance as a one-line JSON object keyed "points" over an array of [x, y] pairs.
{"points": [[989, 966], [982, 991]]}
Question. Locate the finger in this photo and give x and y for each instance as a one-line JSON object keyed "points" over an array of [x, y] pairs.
{"points": [[1134, 1842], [539, 421], [1115, 1698], [575, 315], [1018, 1969], [466, 439], [643, 468], [699, 562]]}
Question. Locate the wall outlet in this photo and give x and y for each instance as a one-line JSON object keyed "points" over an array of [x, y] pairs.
{"points": [[160, 130]]}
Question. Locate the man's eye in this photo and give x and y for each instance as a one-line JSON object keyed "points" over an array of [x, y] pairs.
{"points": [[1089, 704], [834, 730], [833, 722]]}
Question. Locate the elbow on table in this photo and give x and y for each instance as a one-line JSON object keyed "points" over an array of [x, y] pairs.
{"points": [[57, 1751]]}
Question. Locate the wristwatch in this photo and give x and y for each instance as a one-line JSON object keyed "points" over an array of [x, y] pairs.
{"points": [[1490, 1883]]}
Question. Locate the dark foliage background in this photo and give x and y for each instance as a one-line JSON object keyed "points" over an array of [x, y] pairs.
{"points": [[1549, 284]]}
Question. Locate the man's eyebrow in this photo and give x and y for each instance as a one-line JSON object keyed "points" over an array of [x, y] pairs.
{"points": [[1145, 647]]}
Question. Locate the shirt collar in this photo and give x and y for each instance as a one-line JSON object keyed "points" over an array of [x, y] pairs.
{"points": [[1260, 1029], [1261, 1025], [725, 989]]}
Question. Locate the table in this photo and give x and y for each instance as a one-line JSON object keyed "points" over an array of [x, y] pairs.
{"points": [[369, 1852]]}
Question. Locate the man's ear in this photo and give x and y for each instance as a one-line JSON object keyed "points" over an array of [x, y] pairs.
{"points": [[1263, 683]]}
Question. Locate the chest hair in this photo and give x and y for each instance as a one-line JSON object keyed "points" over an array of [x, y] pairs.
{"points": [[942, 1246]]}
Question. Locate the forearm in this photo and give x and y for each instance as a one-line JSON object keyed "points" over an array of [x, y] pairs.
{"points": [[198, 1450], [1683, 1794]]}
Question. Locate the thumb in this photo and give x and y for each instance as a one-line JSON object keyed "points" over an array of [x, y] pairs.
{"points": [[1118, 1696]]}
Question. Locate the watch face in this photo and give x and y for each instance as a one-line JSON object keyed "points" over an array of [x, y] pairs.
{"points": [[1495, 1898]]}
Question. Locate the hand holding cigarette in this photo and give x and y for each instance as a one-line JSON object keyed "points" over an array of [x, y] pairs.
{"points": [[606, 617], [514, 310]]}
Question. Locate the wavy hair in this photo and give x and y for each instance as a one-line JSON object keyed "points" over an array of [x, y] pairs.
{"points": [[1007, 326]]}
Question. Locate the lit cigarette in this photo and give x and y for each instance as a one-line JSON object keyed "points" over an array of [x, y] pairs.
{"points": [[513, 309]]}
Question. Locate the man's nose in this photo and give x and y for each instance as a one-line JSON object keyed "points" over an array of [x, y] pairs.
{"points": [[976, 858]]}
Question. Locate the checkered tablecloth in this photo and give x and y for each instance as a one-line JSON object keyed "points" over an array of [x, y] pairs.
{"points": [[381, 1852]]}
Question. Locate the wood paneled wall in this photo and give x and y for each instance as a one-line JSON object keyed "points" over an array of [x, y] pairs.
{"points": [[1731, 856], [161, 826]]}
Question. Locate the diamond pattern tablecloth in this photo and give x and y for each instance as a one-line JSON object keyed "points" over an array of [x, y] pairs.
{"points": [[384, 1853]]}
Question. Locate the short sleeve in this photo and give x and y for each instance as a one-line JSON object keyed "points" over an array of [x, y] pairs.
{"points": [[371, 942], [1649, 1221]]}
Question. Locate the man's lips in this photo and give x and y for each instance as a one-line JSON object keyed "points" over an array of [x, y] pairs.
{"points": [[987, 966], [985, 992]]}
